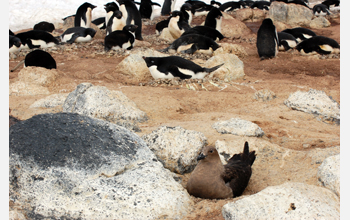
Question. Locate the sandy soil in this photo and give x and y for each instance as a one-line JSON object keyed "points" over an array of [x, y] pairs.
{"points": [[176, 105]]}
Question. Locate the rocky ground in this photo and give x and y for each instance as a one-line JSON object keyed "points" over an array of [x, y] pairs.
{"points": [[196, 106]]}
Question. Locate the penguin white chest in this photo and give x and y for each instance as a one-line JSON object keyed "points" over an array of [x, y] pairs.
{"points": [[174, 27], [156, 74], [42, 43]]}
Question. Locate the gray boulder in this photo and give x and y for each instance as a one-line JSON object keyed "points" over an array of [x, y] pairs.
{"points": [[50, 101], [232, 69], [238, 126], [176, 147], [292, 14], [329, 173], [287, 201], [98, 102], [69, 166], [319, 22], [315, 102]]}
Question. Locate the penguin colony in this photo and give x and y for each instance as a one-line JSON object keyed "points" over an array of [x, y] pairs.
{"points": [[210, 179]]}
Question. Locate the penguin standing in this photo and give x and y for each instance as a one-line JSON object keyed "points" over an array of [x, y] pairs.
{"points": [[177, 24], [147, 9], [174, 66], [83, 15], [319, 44], [77, 34], [123, 39], [131, 15], [267, 40], [37, 39], [40, 58], [166, 8], [214, 19], [110, 8], [115, 22], [186, 10], [231, 6]]}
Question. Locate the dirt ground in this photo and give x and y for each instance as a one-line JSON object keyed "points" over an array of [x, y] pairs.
{"points": [[176, 105]]}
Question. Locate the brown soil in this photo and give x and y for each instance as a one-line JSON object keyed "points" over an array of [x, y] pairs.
{"points": [[176, 105]]}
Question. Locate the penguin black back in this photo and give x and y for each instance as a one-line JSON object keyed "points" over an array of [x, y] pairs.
{"points": [[121, 38], [213, 19], [300, 33], [40, 58], [83, 15], [44, 26], [207, 31], [129, 9], [267, 40], [231, 5], [166, 8], [146, 8]]}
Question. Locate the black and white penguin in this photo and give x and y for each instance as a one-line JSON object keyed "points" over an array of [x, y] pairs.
{"points": [[215, 3], [131, 15], [100, 22], [77, 34], [192, 43], [286, 41], [40, 58], [44, 26], [207, 31], [177, 24], [261, 5], [83, 15], [166, 8], [123, 39], [110, 8], [231, 6], [249, 3], [300, 33], [146, 9], [161, 25], [319, 8], [14, 44], [37, 39], [116, 22], [214, 19], [329, 3], [267, 40], [186, 10], [319, 44], [174, 66]]}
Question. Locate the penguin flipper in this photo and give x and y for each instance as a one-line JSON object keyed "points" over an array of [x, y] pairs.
{"points": [[191, 50], [155, 3], [174, 70], [31, 45], [73, 38]]}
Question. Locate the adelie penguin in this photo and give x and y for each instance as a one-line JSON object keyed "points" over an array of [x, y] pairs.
{"points": [[192, 43], [319, 8], [174, 66], [14, 43], [319, 44], [186, 10], [286, 41], [40, 58], [267, 40], [168, 7], [147, 8], [123, 39], [261, 5], [161, 25], [77, 34], [207, 31], [115, 22], [83, 15], [300, 33], [177, 24], [231, 6], [131, 15], [44, 26], [214, 19], [110, 8], [37, 39]]}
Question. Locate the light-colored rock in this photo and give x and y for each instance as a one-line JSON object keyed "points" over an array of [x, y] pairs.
{"points": [[287, 201], [21, 88], [165, 35], [250, 15], [238, 126], [264, 95], [314, 102], [50, 101], [88, 169], [99, 102], [232, 69], [329, 173], [135, 66], [235, 49], [234, 28], [292, 14], [319, 22], [176, 147]]}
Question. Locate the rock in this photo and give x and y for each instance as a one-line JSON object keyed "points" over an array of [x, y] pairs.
{"points": [[69, 166], [329, 173], [264, 95], [238, 126], [250, 15], [315, 102], [99, 102], [33, 81], [232, 69], [287, 201], [235, 49], [319, 22], [176, 147], [292, 14], [135, 66], [233, 28], [50, 101], [281, 26]]}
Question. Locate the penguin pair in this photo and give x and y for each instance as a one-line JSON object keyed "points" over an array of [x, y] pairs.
{"points": [[177, 24], [115, 22], [267, 40], [146, 9], [186, 10], [300, 33], [77, 34], [14, 43], [37, 39], [174, 66], [83, 15], [131, 15], [123, 39], [319, 44], [214, 19]]}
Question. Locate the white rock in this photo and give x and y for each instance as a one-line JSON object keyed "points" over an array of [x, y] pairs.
{"points": [[329, 173], [238, 126], [287, 201], [232, 69], [50, 101]]}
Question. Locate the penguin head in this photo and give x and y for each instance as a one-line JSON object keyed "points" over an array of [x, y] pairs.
{"points": [[186, 7], [215, 12], [15, 41], [130, 28], [90, 31], [177, 14], [111, 6], [88, 5], [267, 21], [150, 61]]}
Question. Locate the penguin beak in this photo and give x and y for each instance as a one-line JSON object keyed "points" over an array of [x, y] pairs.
{"points": [[201, 156]]}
